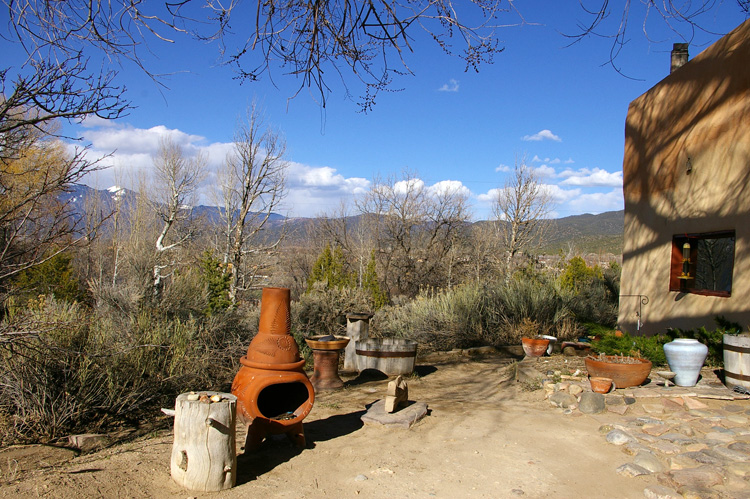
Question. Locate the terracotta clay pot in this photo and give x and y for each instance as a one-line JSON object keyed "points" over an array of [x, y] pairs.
{"points": [[534, 347], [623, 375], [600, 385], [326, 361]]}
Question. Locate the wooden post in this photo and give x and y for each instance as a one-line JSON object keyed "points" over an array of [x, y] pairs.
{"points": [[203, 454]]}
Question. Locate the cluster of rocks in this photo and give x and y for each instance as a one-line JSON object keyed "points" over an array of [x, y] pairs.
{"points": [[696, 442], [572, 394], [695, 451]]}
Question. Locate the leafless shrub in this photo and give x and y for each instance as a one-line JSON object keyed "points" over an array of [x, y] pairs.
{"points": [[472, 315], [64, 368]]}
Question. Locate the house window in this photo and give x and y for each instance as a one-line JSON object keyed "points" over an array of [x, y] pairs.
{"points": [[709, 269]]}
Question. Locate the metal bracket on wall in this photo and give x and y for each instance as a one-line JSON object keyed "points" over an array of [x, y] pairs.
{"points": [[642, 300]]}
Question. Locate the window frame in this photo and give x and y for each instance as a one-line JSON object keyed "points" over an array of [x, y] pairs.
{"points": [[680, 285]]}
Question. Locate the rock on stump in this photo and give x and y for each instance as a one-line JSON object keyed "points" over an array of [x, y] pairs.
{"points": [[203, 454]]}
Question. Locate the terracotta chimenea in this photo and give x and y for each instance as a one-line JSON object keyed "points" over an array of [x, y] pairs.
{"points": [[273, 392]]}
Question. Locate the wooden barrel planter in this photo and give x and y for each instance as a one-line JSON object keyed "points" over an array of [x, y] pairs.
{"points": [[737, 360], [390, 356]]}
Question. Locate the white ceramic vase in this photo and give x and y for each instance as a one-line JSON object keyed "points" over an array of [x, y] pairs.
{"points": [[552, 341], [685, 357]]}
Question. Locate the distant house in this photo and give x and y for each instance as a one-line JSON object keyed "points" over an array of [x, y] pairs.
{"points": [[686, 255]]}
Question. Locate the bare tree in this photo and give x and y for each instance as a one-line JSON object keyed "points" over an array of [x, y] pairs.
{"points": [[47, 90], [252, 187], [414, 228], [481, 251], [368, 40], [309, 41], [614, 20], [521, 209], [178, 177], [354, 235], [36, 220]]}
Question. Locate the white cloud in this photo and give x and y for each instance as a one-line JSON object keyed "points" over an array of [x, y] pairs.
{"points": [[561, 196], [592, 178], [542, 135], [310, 189], [324, 178], [569, 161], [598, 202], [489, 196], [449, 187], [545, 171], [451, 86], [314, 190], [128, 140], [404, 186]]}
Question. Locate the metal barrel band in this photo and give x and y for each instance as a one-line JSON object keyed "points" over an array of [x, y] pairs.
{"points": [[741, 377], [384, 355], [736, 348]]}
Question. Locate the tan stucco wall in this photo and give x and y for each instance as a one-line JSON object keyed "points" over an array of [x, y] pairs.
{"points": [[700, 112]]}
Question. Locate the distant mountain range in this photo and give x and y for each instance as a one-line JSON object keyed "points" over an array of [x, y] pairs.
{"points": [[602, 233], [587, 233]]}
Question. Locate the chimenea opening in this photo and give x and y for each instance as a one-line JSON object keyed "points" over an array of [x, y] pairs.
{"points": [[279, 401]]}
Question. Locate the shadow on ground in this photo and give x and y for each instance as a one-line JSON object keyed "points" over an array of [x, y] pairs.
{"points": [[332, 427], [366, 376], [278, 449]]}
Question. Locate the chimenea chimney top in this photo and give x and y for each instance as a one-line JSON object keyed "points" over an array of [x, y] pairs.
{"points": [[679, 56]]}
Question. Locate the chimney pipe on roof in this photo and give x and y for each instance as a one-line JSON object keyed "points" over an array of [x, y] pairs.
{"points": [[679, 56]]}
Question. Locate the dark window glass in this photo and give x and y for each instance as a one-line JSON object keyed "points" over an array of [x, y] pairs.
{"points": [[709, 269]]}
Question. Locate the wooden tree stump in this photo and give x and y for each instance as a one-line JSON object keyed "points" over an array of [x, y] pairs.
{"points": [[398, 393], [203, 455]]}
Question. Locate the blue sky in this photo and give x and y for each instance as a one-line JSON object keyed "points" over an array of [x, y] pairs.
{"points": [[562, 108]]}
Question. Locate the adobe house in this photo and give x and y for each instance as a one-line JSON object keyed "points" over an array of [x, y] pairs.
{"points": [[686, 172]]}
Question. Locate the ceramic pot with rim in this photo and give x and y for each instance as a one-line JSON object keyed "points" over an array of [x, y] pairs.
{"points": [[685, 357], [552, 341], [624, 372], [534, 347]]}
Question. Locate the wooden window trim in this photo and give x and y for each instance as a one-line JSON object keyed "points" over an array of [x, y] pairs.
{"points": [[675, 284]]}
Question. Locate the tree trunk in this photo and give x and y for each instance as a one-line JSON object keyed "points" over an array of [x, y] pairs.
{"points": [[203, 454]]}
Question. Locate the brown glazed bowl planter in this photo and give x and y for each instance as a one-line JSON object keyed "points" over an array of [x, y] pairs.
{"points": [[534, 347], [339, 343], [623, 374]]}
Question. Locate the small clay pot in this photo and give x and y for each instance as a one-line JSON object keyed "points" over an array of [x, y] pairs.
{"points": [[601, 385], [534, 347]]}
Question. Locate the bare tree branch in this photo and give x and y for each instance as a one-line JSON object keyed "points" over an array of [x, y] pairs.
{"points": [[608, 21], [415, 228], [521, 209], [178, 177], [252, 187]]}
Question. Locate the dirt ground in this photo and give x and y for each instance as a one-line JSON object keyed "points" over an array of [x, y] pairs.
{"points": [[485, 436]]}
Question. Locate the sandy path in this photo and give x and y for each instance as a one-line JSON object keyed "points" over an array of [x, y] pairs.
{"points": [[484, 437]]}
